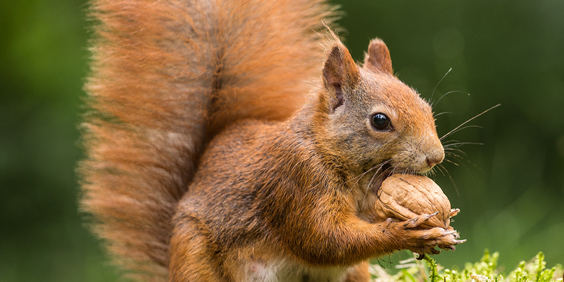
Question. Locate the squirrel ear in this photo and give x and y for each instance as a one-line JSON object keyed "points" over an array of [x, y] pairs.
{"points": [[378, 57], [339, 71]]}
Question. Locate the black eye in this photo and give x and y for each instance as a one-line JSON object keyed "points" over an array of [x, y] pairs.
{"points": [[381, 122]]}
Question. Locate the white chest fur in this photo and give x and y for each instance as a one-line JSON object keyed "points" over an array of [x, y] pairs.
{"points": [[285, 270]]}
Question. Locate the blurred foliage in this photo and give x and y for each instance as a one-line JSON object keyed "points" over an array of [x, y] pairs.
{"points": [[509, 189]]}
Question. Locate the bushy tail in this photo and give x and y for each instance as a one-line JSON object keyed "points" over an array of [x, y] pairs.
{"points": [[166, 76]]}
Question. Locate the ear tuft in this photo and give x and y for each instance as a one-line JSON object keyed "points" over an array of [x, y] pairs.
{"points": [[378, 57], [339, 71]]}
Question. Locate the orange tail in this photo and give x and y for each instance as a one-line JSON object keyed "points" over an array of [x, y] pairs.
{"points": [[166, 76]]}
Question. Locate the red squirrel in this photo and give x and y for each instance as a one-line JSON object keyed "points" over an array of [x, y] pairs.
{"points": [[225, 143]]}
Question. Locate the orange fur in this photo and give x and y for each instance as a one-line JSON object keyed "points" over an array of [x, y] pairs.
{"points": [[221, 146], [289, 201], [167, 75]]}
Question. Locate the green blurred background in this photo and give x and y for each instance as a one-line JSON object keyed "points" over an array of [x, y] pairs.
{"points": [[510, 189]]}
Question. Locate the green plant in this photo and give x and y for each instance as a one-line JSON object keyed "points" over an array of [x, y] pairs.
{"points": [[486, 269]]}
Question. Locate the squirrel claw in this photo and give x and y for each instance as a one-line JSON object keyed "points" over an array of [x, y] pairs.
{"points": [[418, 220], [454, 233], [454, 212], [460, 241]]}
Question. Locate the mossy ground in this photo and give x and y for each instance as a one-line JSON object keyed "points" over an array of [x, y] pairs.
{"points": [[486, 269]]}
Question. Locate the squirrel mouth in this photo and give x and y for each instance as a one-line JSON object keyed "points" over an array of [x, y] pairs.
{"points": [[384, 172]]}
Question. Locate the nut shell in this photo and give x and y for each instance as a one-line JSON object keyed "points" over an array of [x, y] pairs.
{"points": [[405, 196]]}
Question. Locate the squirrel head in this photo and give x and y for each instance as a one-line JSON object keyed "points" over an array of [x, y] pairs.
{"points": [[367, 119]]}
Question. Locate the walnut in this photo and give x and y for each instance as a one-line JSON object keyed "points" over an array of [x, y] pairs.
{"points": [[406, 196]]}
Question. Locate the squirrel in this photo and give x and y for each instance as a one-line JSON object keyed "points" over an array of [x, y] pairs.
{"points": [[234, 140]]}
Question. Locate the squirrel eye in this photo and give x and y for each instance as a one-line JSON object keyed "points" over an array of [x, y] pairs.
{"points": [[381, 122]]}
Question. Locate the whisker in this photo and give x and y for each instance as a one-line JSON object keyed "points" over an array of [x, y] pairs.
{"points": [[433, 93], [462, 124], [458, 160], [455, 154], [434, 169], [358, 178], [376, 173], [452, 180], [461, 144], [361, 175], [465, 127], [450, 92], [440, 168], [454, 149], [442, 113], [451, 154], [370, 182], [449, 141]]}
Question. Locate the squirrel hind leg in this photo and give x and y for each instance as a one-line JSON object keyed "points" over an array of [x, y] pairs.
{"points": [[192, 255]]}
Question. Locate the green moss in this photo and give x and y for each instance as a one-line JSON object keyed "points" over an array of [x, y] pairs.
{"points": [[486, 269]]}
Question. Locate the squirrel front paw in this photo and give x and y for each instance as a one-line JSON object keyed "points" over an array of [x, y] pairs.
{"points": [[421, 240]]}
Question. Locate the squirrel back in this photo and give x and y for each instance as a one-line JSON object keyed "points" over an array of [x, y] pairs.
{"points": [[166, 77]]}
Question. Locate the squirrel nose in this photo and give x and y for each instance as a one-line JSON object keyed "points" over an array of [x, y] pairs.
{"points": [[435, 159]]}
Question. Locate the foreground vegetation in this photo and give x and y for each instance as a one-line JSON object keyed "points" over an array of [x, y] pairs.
{"points": [[413, 270]]}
